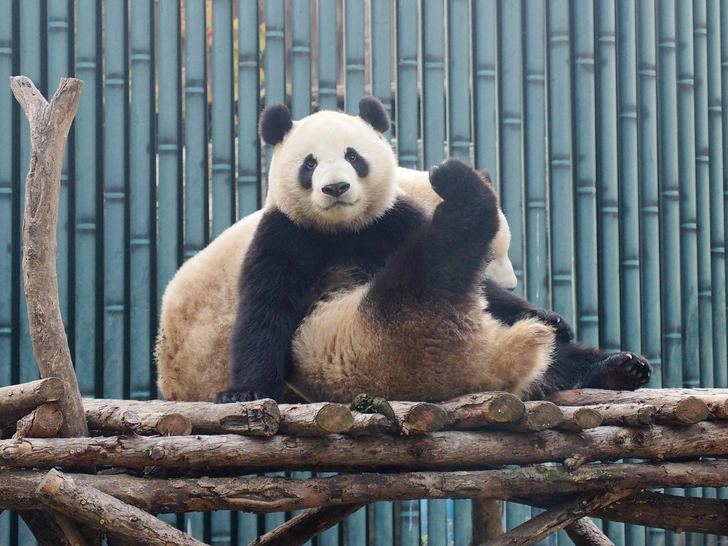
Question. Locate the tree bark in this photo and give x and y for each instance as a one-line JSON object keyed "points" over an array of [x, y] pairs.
{"points": [[315, 419], [305, 526], [477, 410], [18, 400], [336, 452], [106, 513], [258, 418], [579, 418], [266, 494], [626, 415], [538, 415], [716, 399], [584, 532], [49, 126], [553, 519]]}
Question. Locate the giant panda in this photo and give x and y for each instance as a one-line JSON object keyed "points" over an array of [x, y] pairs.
{"points": [[192, 352], [350, 287]]}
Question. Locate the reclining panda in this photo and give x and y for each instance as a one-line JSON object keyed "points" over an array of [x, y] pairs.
{"points": [[350, 286]]}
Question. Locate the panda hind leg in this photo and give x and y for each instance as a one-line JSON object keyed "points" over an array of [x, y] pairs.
{"points": [[623, 371]]}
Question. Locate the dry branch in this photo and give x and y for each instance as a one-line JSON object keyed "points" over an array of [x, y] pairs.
{"points": [[18, 400], [106, 513], [305, 526], [556, 518], [258, 418], [45, 421], [49, 126], [476, 410], [344, 453], [315, 419], [266, 494]]}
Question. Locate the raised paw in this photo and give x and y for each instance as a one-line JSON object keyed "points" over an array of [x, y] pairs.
{"points": [[622, 371], [230, 396], [564, 331], [454, 180]]}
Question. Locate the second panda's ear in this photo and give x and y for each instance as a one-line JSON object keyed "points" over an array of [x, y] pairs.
{"points": [[275, 122], [372, 111]]}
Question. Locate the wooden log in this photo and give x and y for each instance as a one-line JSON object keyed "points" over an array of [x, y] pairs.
{"points": [[674, 406], [106, 513], [45, 421], [370, 423], [266, 494], [476, 410], [304, 527], [257, 418], [584, 532], [315, 419], [18, 400], [487, 519], [626, 415], [579, 418], [538, 415], [49, 126], [418, 417], [337, 452], [554, 519], [46, 530]]}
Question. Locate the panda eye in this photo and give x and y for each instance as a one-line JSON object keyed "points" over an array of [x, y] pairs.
{"points": [[310, 164], [351, 156]]}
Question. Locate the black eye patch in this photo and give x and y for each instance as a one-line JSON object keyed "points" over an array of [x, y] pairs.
{"points": [[358, 162], [305, 171]]}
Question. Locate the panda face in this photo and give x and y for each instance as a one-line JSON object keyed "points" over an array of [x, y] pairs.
{"points": [[332, 171]]}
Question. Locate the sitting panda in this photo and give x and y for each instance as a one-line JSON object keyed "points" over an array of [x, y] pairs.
{"points": [[348, 286]]}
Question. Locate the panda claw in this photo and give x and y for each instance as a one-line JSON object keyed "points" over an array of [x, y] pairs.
{"points": [[621, 371]]}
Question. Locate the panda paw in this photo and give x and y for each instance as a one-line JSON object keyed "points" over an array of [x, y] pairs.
{"points": [[231, 396], [564, 331], [622, 371], [454, 180]]}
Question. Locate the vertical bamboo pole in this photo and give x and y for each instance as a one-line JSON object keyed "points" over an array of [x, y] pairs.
{"points": [[717, 210], [433, 113], [250, 194], [406, 117], [353, 55], [169, 149], [459, 111], [608, 177], [649, 189], [485, 86], [301, 58], [60, 57], [537, 285], [560, 158], [142, 162], [670, 190], [511, 132], [692, 340], [585, 172], [88, 221], [116, 144], [381, 53], [629, 209], [223, 150], [196, 133], [328, 60]]}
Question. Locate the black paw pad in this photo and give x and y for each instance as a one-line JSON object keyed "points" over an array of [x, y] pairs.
{"points": [[622, 371], [455, 180], [231, 396]]}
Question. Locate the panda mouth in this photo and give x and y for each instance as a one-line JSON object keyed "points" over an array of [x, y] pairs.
{"points": [[337, 204]]}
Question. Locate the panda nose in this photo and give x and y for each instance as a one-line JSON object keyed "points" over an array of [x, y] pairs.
{"points": [[336, 189]]}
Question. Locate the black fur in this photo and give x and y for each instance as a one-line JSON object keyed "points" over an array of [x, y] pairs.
{"points": [[274, 124], [305, 171], [282, 268], [372, 111], [574, 365]]}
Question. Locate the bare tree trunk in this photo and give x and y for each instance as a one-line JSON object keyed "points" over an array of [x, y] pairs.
{"points": [[306, 526], [487, 518], [584, 532]]}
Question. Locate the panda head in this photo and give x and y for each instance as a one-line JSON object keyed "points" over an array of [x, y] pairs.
{"points": [[330, 171]]}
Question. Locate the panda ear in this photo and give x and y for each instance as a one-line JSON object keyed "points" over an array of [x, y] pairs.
{"points": [[275, 122], [372, 111]]}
